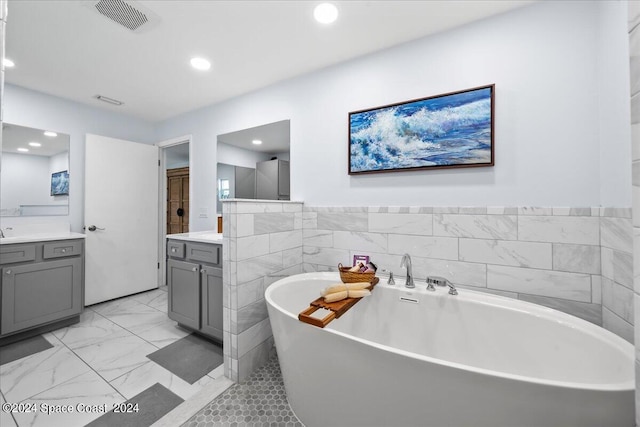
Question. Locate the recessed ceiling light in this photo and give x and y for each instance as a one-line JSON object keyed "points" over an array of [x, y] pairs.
{"points": [[8, 63], [35, 144], [23, 150], [325, 13], [200, 64], [256, 142], [50, 133]]}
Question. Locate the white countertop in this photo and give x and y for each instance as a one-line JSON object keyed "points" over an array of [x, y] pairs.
{"points": [[40, 237], [208, 236]]}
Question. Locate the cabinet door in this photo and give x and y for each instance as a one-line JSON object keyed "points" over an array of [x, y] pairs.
{"points": [[35, 294], [212, 301], [283, 180], [183, 279], [267, 180]]}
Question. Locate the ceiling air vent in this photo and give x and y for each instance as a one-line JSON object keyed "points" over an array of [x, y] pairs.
{"points": [[127, 13]]}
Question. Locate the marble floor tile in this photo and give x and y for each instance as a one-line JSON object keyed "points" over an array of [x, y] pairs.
{"points": [[6, 419], [160, 302], [119, 353], [132, 315], [34, 374], [143, 377], [150, 298], [92, 329], [161, 334], [217, 372], [86, 389]]}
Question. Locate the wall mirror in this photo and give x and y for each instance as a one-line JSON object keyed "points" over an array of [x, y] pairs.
{"points": [[35, 172], [254, 163]]}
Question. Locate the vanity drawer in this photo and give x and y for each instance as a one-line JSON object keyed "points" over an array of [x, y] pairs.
{"points": [[17, 253], [62, 249], [175, 249], [204, 253]]}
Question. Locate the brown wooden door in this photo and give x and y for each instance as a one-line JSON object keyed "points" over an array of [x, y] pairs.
{"points": [[177, 200]]}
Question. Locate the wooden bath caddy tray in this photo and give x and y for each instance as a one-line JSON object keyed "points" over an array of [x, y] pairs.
{"points": [[337, 308]]}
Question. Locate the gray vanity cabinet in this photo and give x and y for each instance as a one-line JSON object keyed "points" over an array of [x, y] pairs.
{"points": [[194, 278], [42, 283], [183, 279], [211, 306]]}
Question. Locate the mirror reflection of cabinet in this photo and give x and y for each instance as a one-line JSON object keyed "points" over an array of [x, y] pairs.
{"points": [[245, 187], [272, 180], [235, 182]]}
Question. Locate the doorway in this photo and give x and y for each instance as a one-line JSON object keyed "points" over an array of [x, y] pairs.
{"points": [[175, 193], [178, 200]]}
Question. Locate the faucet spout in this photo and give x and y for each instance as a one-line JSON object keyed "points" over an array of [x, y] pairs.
{"points": [[406, 262]]}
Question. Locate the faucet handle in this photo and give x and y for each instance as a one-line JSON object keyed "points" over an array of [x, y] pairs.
{"points": [[437, 280], [441, 281], [430, 286], [391, 280]]}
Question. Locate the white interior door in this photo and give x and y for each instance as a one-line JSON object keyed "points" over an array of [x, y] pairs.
{"points": [[121, 202]]}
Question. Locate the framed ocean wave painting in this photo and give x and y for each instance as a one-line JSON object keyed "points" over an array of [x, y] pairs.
{"points": [[453, 130]]}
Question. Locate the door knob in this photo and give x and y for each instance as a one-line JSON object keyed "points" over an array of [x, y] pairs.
{"points": [[94, 228], [180, 212]]}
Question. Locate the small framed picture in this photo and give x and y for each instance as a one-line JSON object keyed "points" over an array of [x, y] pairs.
{"points": [[360, 258]]}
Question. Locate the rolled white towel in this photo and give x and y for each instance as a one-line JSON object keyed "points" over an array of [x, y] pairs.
{"points": [[338, 296], [339, 287]]}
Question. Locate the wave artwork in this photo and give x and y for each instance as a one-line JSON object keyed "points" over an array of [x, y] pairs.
{"points": [[445, 131], [60, 183]]}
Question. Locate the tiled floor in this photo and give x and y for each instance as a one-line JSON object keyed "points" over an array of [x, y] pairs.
{"points": [[259, 401], [101, 360]]}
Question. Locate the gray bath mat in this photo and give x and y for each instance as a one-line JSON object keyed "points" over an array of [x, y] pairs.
{"points": [[152, 404], [190, 358], [24, 348]]}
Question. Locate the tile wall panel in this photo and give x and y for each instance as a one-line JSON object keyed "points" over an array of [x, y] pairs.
{"points": [[501, 252], [554, 256], [616, 244], [262, 243], [559, 229], [503, 227]]}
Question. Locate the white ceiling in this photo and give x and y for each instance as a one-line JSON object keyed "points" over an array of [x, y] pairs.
{"points": [[275, 138], [67, 49], [14, 137]]}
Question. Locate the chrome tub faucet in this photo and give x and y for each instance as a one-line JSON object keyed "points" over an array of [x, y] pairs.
{"points": [[406, 262], [440, 281]]}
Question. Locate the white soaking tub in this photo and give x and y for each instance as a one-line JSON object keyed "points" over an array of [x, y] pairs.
{"points": [[415, 358]]}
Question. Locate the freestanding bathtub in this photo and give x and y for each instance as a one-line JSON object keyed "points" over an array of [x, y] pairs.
{"points": [[418, 358]]}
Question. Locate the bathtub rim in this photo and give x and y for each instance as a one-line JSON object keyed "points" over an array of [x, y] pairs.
{"points": [[536, 310]]}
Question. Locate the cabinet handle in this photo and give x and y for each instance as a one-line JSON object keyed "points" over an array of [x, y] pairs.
{"points": [[203, 271], [8, 272], [173, 249], [195, 269], [64, 251]]}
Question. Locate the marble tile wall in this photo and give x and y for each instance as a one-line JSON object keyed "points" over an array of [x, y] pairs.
{"points": [[262, 242], [617, 272], [550, 256], [634, 61]]}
